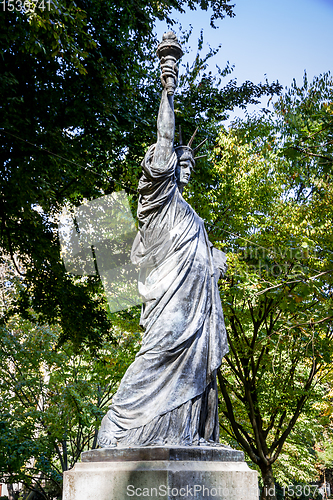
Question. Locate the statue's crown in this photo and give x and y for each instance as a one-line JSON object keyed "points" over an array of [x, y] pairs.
{"points": [[182, 150]]}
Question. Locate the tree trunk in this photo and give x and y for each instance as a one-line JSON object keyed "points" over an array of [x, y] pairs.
{"points": [[11, 494], [269, 491]]}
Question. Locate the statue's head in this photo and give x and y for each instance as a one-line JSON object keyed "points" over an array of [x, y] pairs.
{"points": [[185, 165], [186, 159]]}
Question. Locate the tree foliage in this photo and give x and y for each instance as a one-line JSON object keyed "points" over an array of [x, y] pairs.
{"points": [[269, 205], [53, 401]]}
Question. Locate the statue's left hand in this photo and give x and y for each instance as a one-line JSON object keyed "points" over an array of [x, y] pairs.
{"points": [[220, 262]]}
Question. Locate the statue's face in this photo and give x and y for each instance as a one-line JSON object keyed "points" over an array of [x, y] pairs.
{"points": [[183, 172]]}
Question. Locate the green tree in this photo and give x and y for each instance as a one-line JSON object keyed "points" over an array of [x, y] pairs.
{"points": [[53, 400], [269, 200]]}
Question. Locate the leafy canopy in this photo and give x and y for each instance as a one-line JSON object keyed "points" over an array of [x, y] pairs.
{"points": [[268, 203]]}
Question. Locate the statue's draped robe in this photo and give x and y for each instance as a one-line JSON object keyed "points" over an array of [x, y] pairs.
{"points": [[169, 394]]}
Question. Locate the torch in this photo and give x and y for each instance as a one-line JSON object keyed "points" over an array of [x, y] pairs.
{"points": [[169, 52]]}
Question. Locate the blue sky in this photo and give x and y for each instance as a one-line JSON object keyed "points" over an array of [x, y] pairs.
{"points": [[274, 38]]}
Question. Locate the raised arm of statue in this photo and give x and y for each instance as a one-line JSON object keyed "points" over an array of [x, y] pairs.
{"points": [[165, 131], [169, 51]]}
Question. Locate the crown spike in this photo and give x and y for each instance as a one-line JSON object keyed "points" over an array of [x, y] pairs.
{"points": [[192, 138], [180, 136], [201, 144], [201, 156]]}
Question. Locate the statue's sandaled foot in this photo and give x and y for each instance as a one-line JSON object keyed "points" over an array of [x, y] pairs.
{"points": [[203, 442]]}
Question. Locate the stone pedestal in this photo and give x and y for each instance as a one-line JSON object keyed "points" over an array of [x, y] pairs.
{"points": [[204, 473]]}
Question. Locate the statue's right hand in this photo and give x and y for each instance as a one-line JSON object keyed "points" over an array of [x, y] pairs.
{"points": [[169, 78]]}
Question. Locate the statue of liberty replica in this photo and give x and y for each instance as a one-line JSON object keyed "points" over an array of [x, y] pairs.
{"points": [[168, 396]]}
